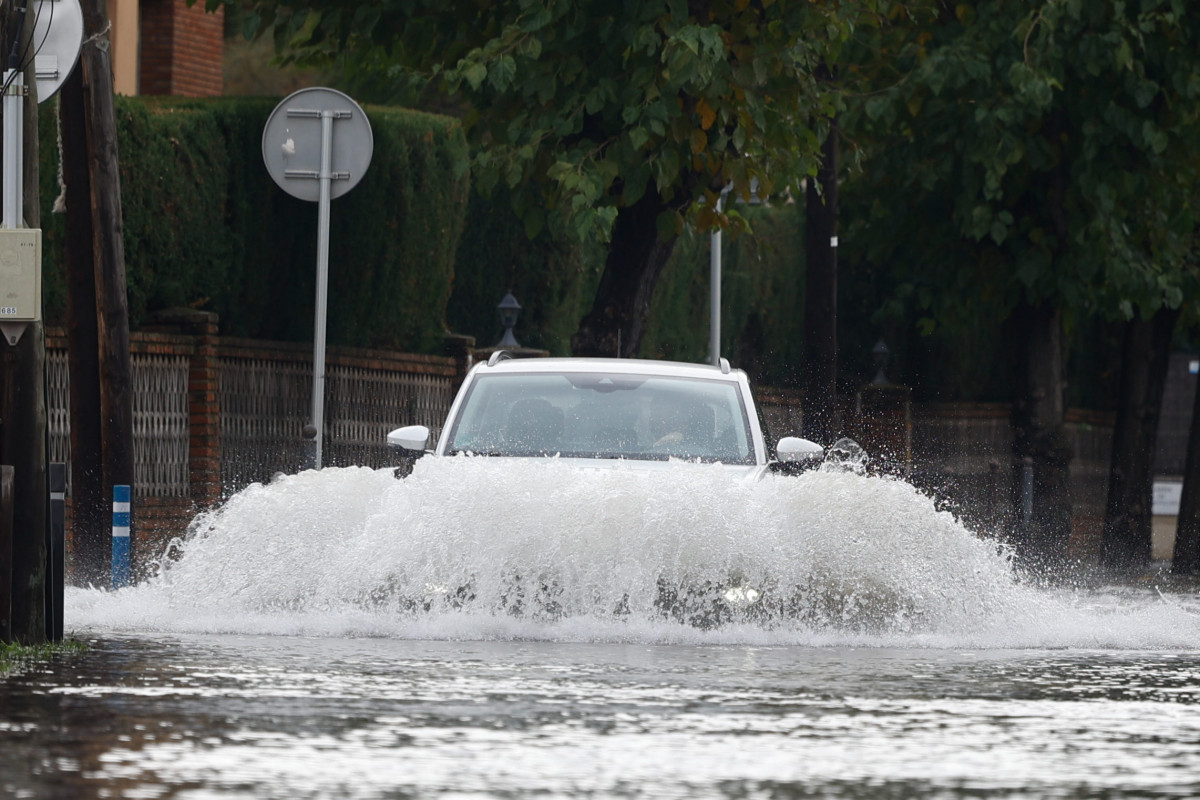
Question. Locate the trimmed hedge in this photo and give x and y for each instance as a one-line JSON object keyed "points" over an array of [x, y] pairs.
{"points": [[205, 226], [553, 280]]}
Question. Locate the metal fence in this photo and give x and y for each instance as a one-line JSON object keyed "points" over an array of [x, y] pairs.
{"points": [[160, 420], [265, 405], [160, 425], [58, 407]]}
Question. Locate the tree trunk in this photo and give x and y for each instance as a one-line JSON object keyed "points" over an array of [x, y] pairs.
{"points": [[1186, 560], [1145, 354], [91, 524], [821, 422], [1039, 435], [636, 257]]}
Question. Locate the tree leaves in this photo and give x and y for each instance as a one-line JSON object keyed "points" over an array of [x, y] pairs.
{"points": [[684, 94], [1062, 139]]}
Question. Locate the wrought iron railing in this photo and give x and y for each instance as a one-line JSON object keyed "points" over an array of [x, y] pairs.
{"points": [[160, 424], [266, 404], [160, 420], [264, 400]]}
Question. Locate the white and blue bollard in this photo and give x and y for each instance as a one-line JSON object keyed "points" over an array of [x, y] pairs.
{"points": [[121, 551]]}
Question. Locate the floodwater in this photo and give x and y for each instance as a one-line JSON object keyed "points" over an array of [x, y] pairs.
{"points": [[478, 631]]}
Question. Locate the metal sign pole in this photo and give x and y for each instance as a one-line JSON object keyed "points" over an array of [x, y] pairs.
{"points": [[318, 398], [288, 147], [14, 99]]}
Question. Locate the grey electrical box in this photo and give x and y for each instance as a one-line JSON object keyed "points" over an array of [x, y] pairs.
{"points": [[20, 275]]}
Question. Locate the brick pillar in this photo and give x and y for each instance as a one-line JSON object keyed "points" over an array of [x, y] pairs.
{"points": [[204, 398], [204, 412], [182, 49]]}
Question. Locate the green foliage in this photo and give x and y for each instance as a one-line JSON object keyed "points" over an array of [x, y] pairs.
{"points": [[579, 106], [1038, 149], [553, 279], [205, 226], [762, 293], [15, 656], [175, 168]]}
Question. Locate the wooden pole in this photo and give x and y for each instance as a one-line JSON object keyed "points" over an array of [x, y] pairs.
{"points": [[821, 423], [24, 446], [6, 526], [91, 520], [23, 439], [104, 403], [108, 246]]}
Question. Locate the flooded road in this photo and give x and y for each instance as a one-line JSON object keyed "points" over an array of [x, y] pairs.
{"points": [[293, 717], [485, 632]]}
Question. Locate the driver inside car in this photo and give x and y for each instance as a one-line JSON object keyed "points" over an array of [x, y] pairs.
{"points": [[682, 425]]}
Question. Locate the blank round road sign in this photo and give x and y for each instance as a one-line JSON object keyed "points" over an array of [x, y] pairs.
{"points": [[291, 143]]}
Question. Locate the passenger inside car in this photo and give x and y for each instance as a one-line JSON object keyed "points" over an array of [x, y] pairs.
{"points": [[534, 426]]}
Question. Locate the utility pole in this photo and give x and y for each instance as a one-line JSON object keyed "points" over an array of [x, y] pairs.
{"points": [[23, 409], [97, 308], [821, 423], [91, 526]]}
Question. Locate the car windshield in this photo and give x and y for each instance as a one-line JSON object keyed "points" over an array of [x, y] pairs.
{"points": [[598, 415]]}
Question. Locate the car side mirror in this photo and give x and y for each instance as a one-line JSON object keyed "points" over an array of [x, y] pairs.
{"points": [[794, 450], [410, 437]]}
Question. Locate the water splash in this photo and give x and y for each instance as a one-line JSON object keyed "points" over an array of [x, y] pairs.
{"points": [[478, 548]]}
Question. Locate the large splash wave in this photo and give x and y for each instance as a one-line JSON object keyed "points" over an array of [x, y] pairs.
{"points": [[475, 547]]}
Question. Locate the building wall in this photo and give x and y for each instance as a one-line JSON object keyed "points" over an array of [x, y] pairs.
{"points": [[181, 49], [126, 41]]}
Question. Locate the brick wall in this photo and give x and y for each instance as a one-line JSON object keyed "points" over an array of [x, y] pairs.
{"points": [[181, 49]]}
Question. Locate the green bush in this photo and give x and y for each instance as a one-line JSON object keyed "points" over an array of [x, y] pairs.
{"points": [[205, 226]]}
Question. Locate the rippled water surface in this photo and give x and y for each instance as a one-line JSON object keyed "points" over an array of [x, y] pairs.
{"points": [[476, 631]]}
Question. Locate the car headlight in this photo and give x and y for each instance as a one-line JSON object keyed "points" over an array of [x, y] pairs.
{"points": [[741, 596]]}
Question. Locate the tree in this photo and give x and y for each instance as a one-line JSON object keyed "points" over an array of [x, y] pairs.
{"points": [[1145, 355], [1186, 560], [616, 121], [1041, 153]]}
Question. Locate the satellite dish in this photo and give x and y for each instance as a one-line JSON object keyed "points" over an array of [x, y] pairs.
{"points": [[292, 141], [57, 39]]}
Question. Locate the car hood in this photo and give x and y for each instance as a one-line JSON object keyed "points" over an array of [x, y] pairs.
{"points": [[736, 471]]}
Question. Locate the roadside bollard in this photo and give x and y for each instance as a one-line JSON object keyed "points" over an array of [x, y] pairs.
{"points": [[55, 549], [121, 555]]}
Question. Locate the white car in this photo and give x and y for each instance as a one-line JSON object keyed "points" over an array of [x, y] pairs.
{"points": [[602, 412]]}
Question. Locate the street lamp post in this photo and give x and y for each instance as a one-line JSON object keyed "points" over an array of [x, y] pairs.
{"points": [[509, 310]]}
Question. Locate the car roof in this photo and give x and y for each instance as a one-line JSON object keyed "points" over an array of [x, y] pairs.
{"points": [[627, 366]]}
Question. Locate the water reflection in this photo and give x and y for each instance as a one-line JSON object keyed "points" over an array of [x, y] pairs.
{"points": [[220, 716]]}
